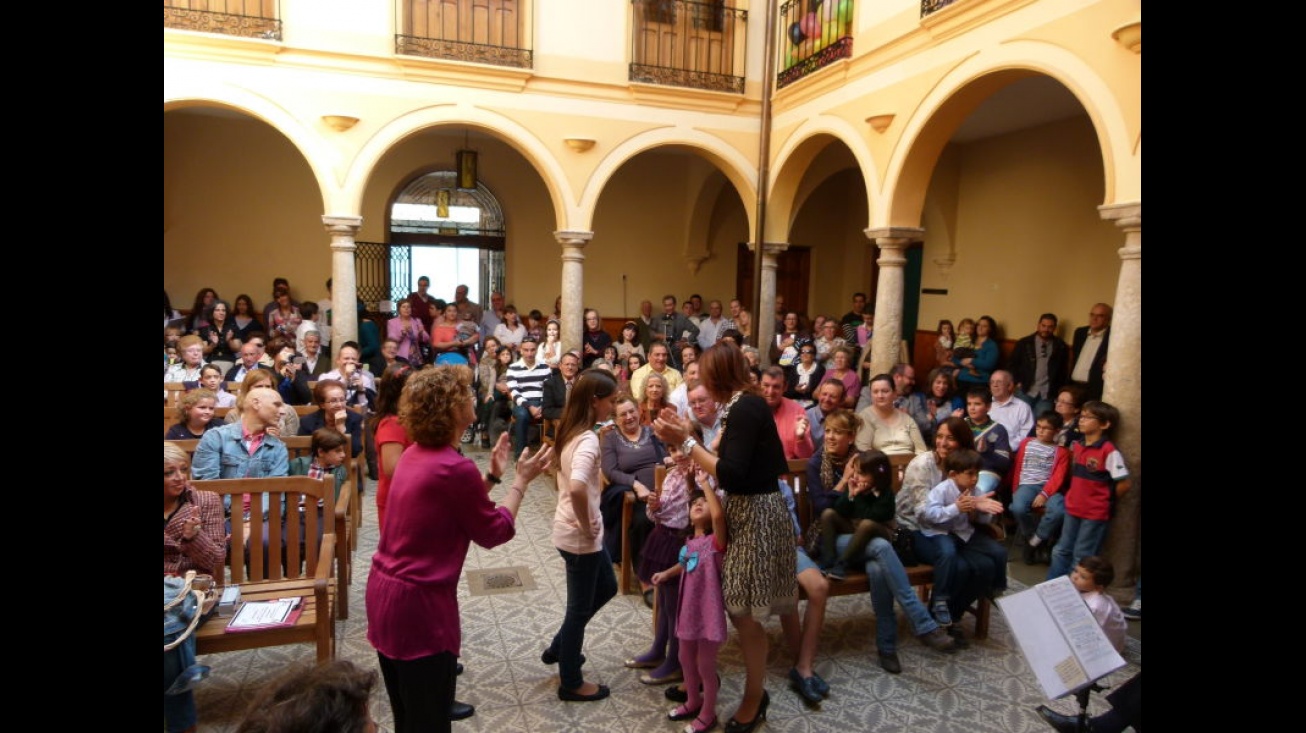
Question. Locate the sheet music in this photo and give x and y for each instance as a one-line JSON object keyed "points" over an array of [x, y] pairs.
{"points": [[263, 613], [1059, 637]]}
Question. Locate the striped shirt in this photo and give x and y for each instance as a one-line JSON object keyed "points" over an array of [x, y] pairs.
{"points": [[527, 382]]}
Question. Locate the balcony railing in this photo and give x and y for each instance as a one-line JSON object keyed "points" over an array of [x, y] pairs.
{"points": [[245, 18], [689, 44], [482, 31], [815, 34], [929, 6]]}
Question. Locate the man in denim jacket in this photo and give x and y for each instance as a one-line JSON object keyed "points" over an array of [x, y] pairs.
{"points": [[246, 448]]}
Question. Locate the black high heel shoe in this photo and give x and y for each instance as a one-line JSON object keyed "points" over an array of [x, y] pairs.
{"points": [[734, 726]]}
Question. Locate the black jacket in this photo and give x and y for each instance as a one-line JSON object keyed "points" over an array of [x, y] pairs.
{"points": [[1023, 364], [1095, 371]]}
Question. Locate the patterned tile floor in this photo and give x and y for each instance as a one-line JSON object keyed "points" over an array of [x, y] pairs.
{"points": [[988, 687]]}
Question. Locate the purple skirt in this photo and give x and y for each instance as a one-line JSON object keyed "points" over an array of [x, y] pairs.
{"points": [[661, 551]]}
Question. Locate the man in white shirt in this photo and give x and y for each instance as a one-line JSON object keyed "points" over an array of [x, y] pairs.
{"points": [[1009, 411], [1090, 347], [658, 356], [360, 386], [679, 398], [711, 327], [707, 413]]}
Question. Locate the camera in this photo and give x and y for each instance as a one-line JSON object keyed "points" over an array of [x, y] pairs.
{"points": [[298, 361]]}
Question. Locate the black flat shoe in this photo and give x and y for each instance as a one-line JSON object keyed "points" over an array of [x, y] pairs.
{"points": [[889, 663], [676, 693], [734, 726], [459, 669], [573, 696], [461, 711], [549, 657], [680, 713], [648, 598]]}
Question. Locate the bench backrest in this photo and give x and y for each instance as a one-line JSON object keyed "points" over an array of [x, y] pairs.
{"points": [[279, 525]]}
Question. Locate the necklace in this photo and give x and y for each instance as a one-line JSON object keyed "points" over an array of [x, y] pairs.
{"points": [[639, 442], [725, 411]]}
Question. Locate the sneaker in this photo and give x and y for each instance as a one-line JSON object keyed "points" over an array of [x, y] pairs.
{"points": [[890, 663], [836, 572], [938, 640], [1134, 610], [468, 435], [940, 613]]}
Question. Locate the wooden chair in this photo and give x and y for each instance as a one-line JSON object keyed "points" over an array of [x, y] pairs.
{"points": [[172, 392], [626, 578], [549, 430], [345, 523], [299, 565]]}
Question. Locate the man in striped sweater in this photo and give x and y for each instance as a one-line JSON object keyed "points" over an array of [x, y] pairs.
{"points": [[526, 378]]}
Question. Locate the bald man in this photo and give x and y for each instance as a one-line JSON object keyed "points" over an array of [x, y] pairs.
{"points": [[247, 448]]}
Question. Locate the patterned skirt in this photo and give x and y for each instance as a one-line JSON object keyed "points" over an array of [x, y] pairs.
{"points": [[760, 560]]}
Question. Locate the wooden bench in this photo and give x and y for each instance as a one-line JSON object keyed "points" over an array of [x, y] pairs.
{"points": [[346, 512], [170, 416], [303, 569], [921, 576]]}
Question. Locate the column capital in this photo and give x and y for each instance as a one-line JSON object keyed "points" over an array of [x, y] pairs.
{"points": [[343, 224], [1126, 216], [573, 238], [894, 236], [774, 248]]}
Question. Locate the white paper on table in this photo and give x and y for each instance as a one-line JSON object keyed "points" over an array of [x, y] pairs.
{"points": [[262, 613]]}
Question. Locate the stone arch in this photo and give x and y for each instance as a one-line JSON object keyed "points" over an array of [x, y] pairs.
{"points": [[967, 86], [310, 145], [795, 156], [512, 133], [736, 167]]}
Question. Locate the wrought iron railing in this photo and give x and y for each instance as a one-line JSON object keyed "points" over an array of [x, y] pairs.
{"points": [[815, 33], [245, 18], [929, 6], [689, 44], [483, 31]]}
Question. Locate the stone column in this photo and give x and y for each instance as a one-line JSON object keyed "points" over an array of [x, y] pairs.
{"points": [[887, 334], [344, 283], [763, 318], [1123, 388], [573, 286]]}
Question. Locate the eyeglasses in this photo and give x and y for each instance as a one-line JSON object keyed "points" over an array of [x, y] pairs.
{"points": [[1086, 416], [1067, 403]]}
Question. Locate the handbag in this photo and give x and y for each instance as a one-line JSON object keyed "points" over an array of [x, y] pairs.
{"points": [[184, 607], [813, 540], [903, 547]]}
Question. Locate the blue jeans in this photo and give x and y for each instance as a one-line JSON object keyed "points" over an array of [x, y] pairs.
{"points": [[888, 580], [521, 427], [178, 710], [1079, 539], [590, 584], [978, 567], [1053, 512]]}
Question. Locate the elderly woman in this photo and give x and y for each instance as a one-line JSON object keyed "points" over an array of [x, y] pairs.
{"points": [[631, 453], [329, 396], [191, 350], [758, 577], [438, 504]]}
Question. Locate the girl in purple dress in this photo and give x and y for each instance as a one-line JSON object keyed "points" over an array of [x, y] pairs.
{"points": [[701, 612]]}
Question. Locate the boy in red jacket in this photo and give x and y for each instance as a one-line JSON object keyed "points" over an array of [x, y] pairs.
{"points": [[1098, 476]]}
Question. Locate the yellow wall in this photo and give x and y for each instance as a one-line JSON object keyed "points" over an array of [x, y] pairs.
{"points": [[1029, 239]]}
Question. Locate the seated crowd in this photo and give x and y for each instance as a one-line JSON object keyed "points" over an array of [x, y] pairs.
{"points": [[980, 441]]}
